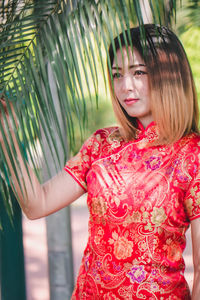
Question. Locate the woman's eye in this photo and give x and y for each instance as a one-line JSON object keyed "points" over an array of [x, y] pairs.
{"points": [[139, 73], [117, 75]]}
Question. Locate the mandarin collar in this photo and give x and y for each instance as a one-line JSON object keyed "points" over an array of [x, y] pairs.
{"points": [[150, 132]]}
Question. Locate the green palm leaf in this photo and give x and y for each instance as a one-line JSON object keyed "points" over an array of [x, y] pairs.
{"points": [[188, 15], [63, 42]]}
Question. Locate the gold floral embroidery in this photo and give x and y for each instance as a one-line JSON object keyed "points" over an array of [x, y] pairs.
{"points": [[99, 206], [145, 216], [154, 287], [142, 246], [95, 148], [174, 252], [158, 216], [134, 218], [85, 156], [115, 138], [123, 248], [148, 227], [138, 196], [198, 201], [99, 235], [118, 194], [193, 191]]}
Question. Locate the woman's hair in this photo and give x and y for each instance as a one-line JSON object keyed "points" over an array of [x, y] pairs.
{"points": [[173, 97]]}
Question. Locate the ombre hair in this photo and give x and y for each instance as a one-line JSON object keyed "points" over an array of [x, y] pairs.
{"points": [[173, 97]]}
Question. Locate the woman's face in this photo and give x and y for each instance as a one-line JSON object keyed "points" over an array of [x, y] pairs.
{"points": [[131, 85]]}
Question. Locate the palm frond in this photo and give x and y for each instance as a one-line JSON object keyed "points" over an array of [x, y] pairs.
{"points": [[55, 50], [21, 23], [188, 13]]}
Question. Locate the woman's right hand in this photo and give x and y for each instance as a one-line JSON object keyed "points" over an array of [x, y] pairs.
{"points": [[3, 106]]}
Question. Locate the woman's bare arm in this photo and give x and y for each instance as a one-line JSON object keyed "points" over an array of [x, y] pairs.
{"points": [[38, 200], [195, 231]]}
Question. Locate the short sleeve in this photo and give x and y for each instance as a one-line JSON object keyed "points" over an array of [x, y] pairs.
{"points": [[79, 165], [192, 199]]}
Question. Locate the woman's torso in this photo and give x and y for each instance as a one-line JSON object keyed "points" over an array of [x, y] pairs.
{"points": [[138, 218]]}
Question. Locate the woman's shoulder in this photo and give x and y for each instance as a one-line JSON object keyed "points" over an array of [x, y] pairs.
{"points": [[193, 140], [106, 140], [107, 131], [108, 135], [189, 147]]}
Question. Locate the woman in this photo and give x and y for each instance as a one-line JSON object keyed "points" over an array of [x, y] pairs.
{"points": [[142, 178]]}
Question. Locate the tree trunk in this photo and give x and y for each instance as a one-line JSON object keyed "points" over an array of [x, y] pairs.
{"points": [[58, 224]]}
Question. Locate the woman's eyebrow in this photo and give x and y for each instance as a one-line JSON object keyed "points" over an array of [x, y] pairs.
{"points": [[130, 67], [116, 68], [138, 65]]}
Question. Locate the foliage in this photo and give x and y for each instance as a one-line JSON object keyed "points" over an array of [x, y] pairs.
{"points": [[191, 42], [50, 56], [188, 15]]}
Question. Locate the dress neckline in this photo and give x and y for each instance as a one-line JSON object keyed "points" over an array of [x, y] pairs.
{"points": [[141, 128], [148, 134]]}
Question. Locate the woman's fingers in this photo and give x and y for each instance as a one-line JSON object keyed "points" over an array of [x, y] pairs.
{"points": [[7, 124], [3, 103]]}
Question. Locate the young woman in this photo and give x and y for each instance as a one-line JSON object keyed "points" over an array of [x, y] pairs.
{"points": [[142, 178]]}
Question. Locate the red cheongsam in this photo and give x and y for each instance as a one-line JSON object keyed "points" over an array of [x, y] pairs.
{"points": [[141, 201]]}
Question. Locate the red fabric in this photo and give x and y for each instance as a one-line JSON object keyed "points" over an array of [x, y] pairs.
{"points": [[141, 200]]}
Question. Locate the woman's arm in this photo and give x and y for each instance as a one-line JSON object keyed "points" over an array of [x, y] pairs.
{"points": [[195, 231], [38, 200]]}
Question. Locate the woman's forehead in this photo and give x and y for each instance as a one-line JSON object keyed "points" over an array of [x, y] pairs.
{"points": [[130, 57]]}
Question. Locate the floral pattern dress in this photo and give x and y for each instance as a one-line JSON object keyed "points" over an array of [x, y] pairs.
{"points": [[141, 201]]}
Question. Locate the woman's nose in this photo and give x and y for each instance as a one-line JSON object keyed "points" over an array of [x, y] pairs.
{"points": [[128, 83]]}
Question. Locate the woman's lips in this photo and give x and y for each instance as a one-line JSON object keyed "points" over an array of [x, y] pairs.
{"points": [[130, 101]]}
